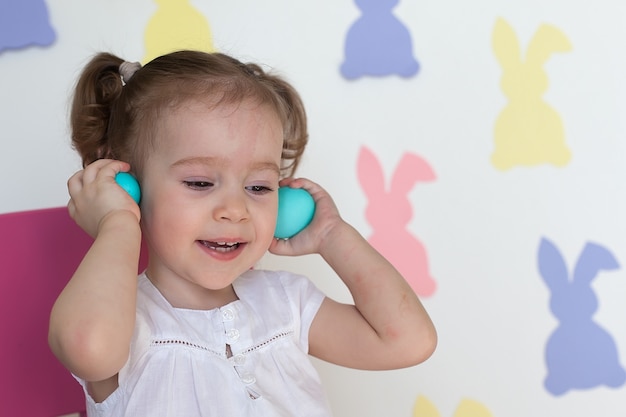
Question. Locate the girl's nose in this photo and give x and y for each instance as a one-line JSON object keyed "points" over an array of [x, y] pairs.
{"points": [[232, 207]]}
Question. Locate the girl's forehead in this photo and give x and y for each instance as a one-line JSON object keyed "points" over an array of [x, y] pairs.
{"points": [[212, 114], [218, 114], [197, 127]]}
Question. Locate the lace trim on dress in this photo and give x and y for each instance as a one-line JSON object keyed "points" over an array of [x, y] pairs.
{"points": [[166, 342], [184, 343], [267, 342]]}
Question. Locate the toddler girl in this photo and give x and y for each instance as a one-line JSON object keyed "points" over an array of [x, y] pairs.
{"points": [[200, 332]]}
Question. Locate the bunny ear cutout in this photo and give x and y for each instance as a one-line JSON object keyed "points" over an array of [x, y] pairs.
{"points": [[425, 408], [370, 173], [547, 40], [471, 408], [593, 259], [552, 266], [505, 45], [411, 169]]}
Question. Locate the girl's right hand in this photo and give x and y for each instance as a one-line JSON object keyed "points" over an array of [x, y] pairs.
{"points": [[95, 195]]}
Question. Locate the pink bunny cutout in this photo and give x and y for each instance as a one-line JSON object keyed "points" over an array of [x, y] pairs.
{"points": [[389, 212]]}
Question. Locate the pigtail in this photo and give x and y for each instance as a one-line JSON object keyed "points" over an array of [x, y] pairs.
{"points": [[98, 87]]}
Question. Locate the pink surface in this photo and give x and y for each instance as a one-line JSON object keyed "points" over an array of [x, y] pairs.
{"points": [[39, 252]]}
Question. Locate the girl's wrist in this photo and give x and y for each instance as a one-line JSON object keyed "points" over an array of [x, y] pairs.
{"points": [[118, 221], [338, 235]]}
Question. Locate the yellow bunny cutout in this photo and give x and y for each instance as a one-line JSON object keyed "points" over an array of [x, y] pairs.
{"points": [[467, 408], [176, 25], [528, 131]]}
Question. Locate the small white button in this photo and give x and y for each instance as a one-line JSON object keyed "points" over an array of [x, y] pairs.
{"points": [[248, 379], [239, 359], [228, 315], [233, 334]]}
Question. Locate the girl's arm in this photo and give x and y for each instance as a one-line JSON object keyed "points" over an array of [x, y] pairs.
{"points": [[387, 327], [92, 321]]}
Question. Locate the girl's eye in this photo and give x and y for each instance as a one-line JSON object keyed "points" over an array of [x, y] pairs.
{"points": [[259, 189], [198, 185]]}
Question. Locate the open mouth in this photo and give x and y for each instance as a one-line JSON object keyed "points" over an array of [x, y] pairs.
{"points": [[222, 247]]}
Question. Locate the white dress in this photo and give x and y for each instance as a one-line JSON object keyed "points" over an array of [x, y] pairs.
{"points": [[180, 366]]}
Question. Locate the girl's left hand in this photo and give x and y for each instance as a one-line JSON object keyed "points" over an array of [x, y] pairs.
{"points": [[325, 219]]}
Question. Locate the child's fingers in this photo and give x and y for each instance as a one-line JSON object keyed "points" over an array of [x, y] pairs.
{"points": [[273, 245], [103, 168], [112, 168], [285, 182], [71, 208], [281, 247], [96, 171], [305, 183], [75, 182]]}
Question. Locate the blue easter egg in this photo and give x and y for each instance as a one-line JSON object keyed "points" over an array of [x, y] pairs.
{"points": [[129, 184], [296, 208]]}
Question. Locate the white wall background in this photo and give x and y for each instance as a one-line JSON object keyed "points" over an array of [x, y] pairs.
{"points": [[481, 227]]}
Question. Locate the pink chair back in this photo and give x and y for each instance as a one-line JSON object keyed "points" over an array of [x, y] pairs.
{"points": [[39, 252]]}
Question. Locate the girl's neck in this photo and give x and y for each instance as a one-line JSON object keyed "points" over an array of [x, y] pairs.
{"points": [[192, 296]]}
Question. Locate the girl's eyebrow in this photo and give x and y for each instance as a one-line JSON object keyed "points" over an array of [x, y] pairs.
{"points": [[221, 162]]}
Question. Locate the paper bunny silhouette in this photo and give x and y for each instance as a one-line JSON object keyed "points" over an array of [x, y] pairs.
{"points": [[176, 25], [467, 408], [579, 354], [389, 211], [528, 131], [25, 23], [378, 44]]}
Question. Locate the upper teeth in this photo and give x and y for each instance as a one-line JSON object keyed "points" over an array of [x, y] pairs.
{"points": [[226, 243]]}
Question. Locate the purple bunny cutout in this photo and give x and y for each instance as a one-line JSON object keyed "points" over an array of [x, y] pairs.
{"points": [[24, 23], [580, 354], [378, 44]]}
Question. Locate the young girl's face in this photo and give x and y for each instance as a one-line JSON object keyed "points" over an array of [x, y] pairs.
{"points": [[209, 199]]}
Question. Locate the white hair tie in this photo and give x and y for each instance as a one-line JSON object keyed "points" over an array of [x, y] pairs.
{"points": [[128, 69]]}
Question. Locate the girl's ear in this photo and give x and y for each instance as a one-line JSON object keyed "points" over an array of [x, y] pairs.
{"points": [[593, 259], [552, 266], [505, 45], [547, 40], [411, 168], [370, 174]]}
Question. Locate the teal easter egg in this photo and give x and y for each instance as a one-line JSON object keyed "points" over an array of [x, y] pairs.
{"points": [[129, 184], [296, 208]]}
